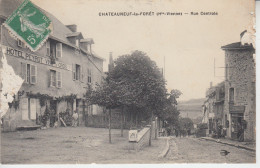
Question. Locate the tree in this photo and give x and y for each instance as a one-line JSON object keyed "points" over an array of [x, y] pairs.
{"points": [[135, 81], [143, 86], [106, 95], [185, 124]]}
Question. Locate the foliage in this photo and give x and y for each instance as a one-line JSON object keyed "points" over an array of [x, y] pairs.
{"points": [[69, 98], [170, 112], [202, 126], [174, 95], [67, 118], [185, 124], [45, 117], [135, 82], [42, 97], [15, 104]]}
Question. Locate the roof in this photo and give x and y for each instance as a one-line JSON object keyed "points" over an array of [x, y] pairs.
{"points": [[87, 40], [237, 46], [74, 34]]}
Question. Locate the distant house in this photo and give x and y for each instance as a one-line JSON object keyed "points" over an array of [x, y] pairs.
{"points": [[56, 76], [240, 98], [213, 108]]}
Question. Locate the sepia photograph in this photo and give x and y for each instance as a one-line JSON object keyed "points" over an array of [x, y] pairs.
{"points": [[127, 82]]}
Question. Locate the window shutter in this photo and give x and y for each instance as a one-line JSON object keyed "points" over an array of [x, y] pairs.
{"points": [[33, 109], [25, 114], [74, 71], [33, 73], [59, 79], [48, 48], [81, 74], [23, 71], [59, 50]]}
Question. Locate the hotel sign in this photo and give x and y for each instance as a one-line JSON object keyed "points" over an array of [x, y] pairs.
{"points": [[35, 58]]}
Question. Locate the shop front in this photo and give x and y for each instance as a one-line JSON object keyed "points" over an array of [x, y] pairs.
{"points": [[237, 122]]}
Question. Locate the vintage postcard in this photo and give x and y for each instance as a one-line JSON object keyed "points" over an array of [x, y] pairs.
{"points": [[128, 82]]}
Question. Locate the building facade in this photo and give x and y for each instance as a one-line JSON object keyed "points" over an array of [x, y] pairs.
{"points": [[55, 77], [213, 109], [240, 101]]}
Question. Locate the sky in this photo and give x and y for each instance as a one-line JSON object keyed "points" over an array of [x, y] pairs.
{"points": [[188, 43]]}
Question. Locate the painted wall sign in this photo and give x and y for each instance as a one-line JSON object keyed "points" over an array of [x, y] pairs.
{"points": [[35, 58]]}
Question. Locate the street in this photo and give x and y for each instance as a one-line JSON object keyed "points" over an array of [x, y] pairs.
{"points": [[194, 150], [74, 145], [90, 145]]}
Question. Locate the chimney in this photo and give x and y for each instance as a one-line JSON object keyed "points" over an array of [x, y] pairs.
{"points": [[210, 84], [72, 27]]}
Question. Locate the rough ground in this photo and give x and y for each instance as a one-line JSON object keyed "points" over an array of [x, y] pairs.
{"points": [[193, 150], [74, 145]]}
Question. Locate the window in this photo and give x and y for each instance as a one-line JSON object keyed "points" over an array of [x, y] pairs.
{"points": [[59, 81], [20, 43], [77, 42], [54, 49], [59, 50], [29, 73], [89, 76], [231, 95], [55, 79], [28, 107], [77, 72], [48, 52]]}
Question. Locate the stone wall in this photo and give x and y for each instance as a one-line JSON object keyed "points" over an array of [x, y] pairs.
{"points": [[142, 139]]}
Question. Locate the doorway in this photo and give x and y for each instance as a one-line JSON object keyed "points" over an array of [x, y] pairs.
{"points": [[237, 130], [53, 112]]}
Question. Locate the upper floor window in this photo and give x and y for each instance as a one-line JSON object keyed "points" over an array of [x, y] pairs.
{"points": [[29, 73], [55, 79], [77, 42], [231, 95], [54, 49], [77, 72]]}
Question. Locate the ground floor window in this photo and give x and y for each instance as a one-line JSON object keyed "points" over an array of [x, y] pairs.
{"points": [[28, 107]]}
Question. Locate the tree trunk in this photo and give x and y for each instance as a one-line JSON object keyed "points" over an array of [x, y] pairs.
{"points": [[132, 115], [109, 126], [136, 119], [155, 127], [150, 138], [122, 121]]}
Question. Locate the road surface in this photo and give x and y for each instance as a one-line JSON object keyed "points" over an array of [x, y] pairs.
{"points": [[194, 150]]}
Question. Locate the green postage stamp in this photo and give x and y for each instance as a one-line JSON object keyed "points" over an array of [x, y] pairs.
{"points": [[30, 25]]}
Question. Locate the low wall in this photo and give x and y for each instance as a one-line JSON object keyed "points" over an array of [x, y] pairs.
{"points": [[142, 139]]}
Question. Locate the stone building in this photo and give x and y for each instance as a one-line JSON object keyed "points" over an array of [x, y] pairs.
{"points": [[240, 101], [56, 76]]}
